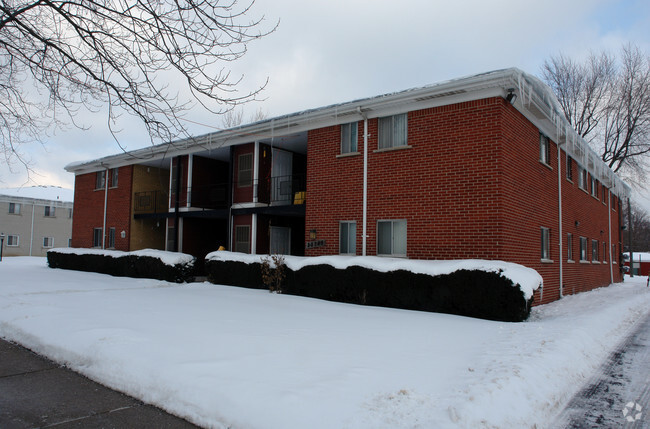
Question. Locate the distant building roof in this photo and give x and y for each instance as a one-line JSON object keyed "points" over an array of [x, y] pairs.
{"points": [[45, 193]]}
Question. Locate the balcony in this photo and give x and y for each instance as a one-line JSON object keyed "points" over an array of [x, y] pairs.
{"points": [[282, 190]]}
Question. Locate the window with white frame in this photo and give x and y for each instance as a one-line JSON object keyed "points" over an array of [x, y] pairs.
{"points": [[100, 179], [594, 250], [594, 187], [391, 238], [49, 211], [242, 238], [582, 178], [583, 248], [13, 240], [569, 247], [111, 238], [544, 149], [604, 252], [114, 177], [348, 238], [614, 256], [48, 242], [97, 237], [349, 138], [245, 170], [14, 208], [393, 131], [569, 168], [546, 244]]}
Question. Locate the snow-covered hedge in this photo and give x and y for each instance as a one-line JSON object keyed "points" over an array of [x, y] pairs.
{"points": [[487, 289], [147, 263]]}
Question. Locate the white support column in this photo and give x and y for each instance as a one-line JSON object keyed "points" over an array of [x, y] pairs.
{"points": [[190, 167], [256, 154], [254, 234], [105, 206], [364, 227]]}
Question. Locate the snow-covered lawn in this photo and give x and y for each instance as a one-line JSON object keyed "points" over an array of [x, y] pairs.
{"points": [[231, 357]]}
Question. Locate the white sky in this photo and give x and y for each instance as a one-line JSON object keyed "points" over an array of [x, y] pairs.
{"points": [[330, 51]]}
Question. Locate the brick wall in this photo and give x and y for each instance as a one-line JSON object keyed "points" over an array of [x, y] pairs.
{"points": [[89, 209]]}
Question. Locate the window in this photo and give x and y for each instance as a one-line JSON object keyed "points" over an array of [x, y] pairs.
{"points": [[569, 168], [348, 238], [49, 211], [69, 213], [245, 170], [14, 208], [111, 238], [391, 238], [100, 180], [594, 250], [97, 237], [604, 252], [349, 138], [242, 238], [583, 248], [393, 131], [48, 242], [544, 150], [594, 187], [614, 253], [582, 178], [546, 246], [569, 247], [13, 240], [114, 177]]}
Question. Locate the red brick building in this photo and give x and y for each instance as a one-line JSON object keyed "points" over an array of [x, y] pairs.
{"points": [[483, 167]]}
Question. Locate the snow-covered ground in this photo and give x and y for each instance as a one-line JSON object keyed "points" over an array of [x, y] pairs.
{"points": [[232, 357]]}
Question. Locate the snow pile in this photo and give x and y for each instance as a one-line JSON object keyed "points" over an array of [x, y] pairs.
{"points": [[527, 279], [232, 357], [168, 258]]}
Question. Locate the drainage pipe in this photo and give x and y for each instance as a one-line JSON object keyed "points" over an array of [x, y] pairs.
{"points": [[559, 193], [364, 236]]}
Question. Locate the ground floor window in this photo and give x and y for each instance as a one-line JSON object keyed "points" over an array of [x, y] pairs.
{"points": [[111, 238], [594, 250], [97, 237], [391, 238], [604, 252], [348, 238], [13, 240], [242, 238], [546, 246], [569, 247], [48, 242], [583, 248]]}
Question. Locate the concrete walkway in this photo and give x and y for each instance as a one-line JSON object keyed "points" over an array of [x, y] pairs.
{"points": [[619, 396], [38, 393]]}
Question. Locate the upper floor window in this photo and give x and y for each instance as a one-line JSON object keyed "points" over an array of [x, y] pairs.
{"points": [[14, 208], [100, 179], [569, 168], [13, 240], [114, 177], [544, 150], [393, 131], [348, 238], [582, 178], [349, 138], [594, 187], [49, 211], [245, 170], [391, 238]]}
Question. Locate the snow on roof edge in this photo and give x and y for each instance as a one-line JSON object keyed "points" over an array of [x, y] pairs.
{"points": [[526, 278]]}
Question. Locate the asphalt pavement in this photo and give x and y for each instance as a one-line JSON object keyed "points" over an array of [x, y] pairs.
{"points": [[38, 393], [619, 395]]}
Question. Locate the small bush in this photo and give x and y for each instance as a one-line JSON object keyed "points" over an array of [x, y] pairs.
{"points": [[273, 272]]}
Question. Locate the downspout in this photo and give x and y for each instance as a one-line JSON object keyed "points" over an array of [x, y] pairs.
{"points": [[177, 202], [31, 234], [105, 206], [231, 190], [256, 167], [364, 232], [609, 230], [559, 193], [629, 234]]}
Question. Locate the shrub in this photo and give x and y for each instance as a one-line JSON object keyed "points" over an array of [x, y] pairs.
{"points": [[273, 272]]}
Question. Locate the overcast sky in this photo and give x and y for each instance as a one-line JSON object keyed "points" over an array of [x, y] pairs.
{"points": [[330, 51]]}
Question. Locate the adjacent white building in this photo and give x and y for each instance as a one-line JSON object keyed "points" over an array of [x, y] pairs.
{"points": [[35, 219]]}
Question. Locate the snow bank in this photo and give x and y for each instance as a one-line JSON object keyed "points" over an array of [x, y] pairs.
{"points": [[168, 258], [527, 279]]}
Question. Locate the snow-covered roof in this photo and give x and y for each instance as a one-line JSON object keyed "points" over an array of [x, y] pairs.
{"points": [[38, 193], [535, 100]]}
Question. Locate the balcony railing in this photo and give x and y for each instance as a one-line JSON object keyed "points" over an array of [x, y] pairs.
{"points": [[282, 190]]}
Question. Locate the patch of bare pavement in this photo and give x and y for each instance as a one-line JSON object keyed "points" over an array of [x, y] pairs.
{"points": [[619, 395], [38, 393]]}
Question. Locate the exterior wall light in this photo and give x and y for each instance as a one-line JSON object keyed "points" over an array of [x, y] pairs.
{"points": [[511, 96]]}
